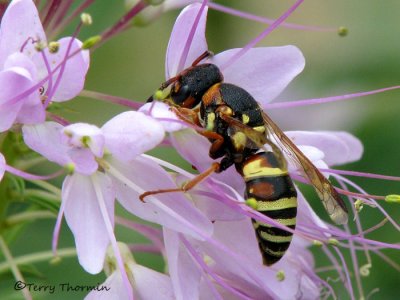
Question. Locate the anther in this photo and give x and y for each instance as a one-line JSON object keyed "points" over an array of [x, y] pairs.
{"points": [[86, 19]]}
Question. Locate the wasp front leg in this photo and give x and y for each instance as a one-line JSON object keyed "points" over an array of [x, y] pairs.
{"points": [[188, 115], [214, 168], [187, 186]]}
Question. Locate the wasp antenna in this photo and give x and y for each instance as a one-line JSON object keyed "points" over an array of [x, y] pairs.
{"points": [[203, 56]]}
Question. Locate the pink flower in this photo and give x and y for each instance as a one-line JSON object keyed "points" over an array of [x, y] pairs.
{"points": [[108, 164], [30, 77]]}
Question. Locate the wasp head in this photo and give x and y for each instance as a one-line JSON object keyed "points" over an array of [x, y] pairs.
{"points": [[188, 87]]}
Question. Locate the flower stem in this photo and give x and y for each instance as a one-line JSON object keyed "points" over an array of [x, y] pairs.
{"points": [[47, 186], [36, 257], [28, 216], [13, 266]]}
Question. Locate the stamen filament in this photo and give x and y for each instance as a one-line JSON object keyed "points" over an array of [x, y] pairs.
{"points": [[29, 176], [305, 102], [249, 16], [210, 272], [123, 23], [112, 99], [189, 39], [65, 22], [110, 231], [261, 36]]}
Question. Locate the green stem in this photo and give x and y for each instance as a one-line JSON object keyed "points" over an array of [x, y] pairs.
{"points": [[12, 264], [47, 186], [28, 216], [42, 194], [27, 164], [37, 257]]}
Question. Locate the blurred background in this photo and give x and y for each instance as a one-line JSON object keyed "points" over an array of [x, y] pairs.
{"points": [[131, 65]]}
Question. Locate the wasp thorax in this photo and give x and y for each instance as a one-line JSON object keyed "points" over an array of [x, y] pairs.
{"points": [[188, 90]]}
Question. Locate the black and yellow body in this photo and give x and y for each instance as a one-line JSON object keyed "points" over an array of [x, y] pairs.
{"points": [[219, 105], [272, 189]]}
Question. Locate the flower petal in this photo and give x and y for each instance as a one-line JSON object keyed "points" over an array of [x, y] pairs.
{"points": [[19, 59], [46, 139], [12, 81], [338, 147], [113, 289], [174, 4], [179, 35], [85, 219], [163, 111], [82, 135], [2, 166], [263, 72], [172, 210], [31, 114], [31, 108], [20, 22], [183, 270], [74, 72], [131, 133], [146, 279], [84, 161]]}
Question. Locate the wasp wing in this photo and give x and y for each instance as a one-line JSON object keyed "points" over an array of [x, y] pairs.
{"points": [[331, 200]]}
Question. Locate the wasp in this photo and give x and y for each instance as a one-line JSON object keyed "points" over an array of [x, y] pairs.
{"points": [[244, 136]]}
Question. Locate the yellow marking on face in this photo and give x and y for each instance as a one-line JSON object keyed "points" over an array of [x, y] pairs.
{"points": [[210, 121], [239, 140], [245, 119], [259, 129], [277, 204], [254, 169], [275, 238]]}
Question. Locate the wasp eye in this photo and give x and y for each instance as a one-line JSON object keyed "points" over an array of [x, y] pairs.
{"points": [[180, 95]]}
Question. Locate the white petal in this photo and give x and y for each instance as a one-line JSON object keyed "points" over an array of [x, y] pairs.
{"points": [[184, 272], [172, 210], [132, 133], [263, 72], [20, 22], [82, 135], [2, 166], [145, 281], [84, 218], [163, 111], [179, 35], [46, 139], [338, 147], [112, 288]]}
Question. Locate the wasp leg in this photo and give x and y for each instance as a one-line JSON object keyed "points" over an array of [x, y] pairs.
{"points": [[191, 116], [205, 55], [188, 115], [187, 186]]}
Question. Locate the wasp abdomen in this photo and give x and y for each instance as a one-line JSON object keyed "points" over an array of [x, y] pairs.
{"points": [[276, 198]]}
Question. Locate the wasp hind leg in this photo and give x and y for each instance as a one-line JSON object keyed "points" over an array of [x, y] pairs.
{"points": [[187, 186]]}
